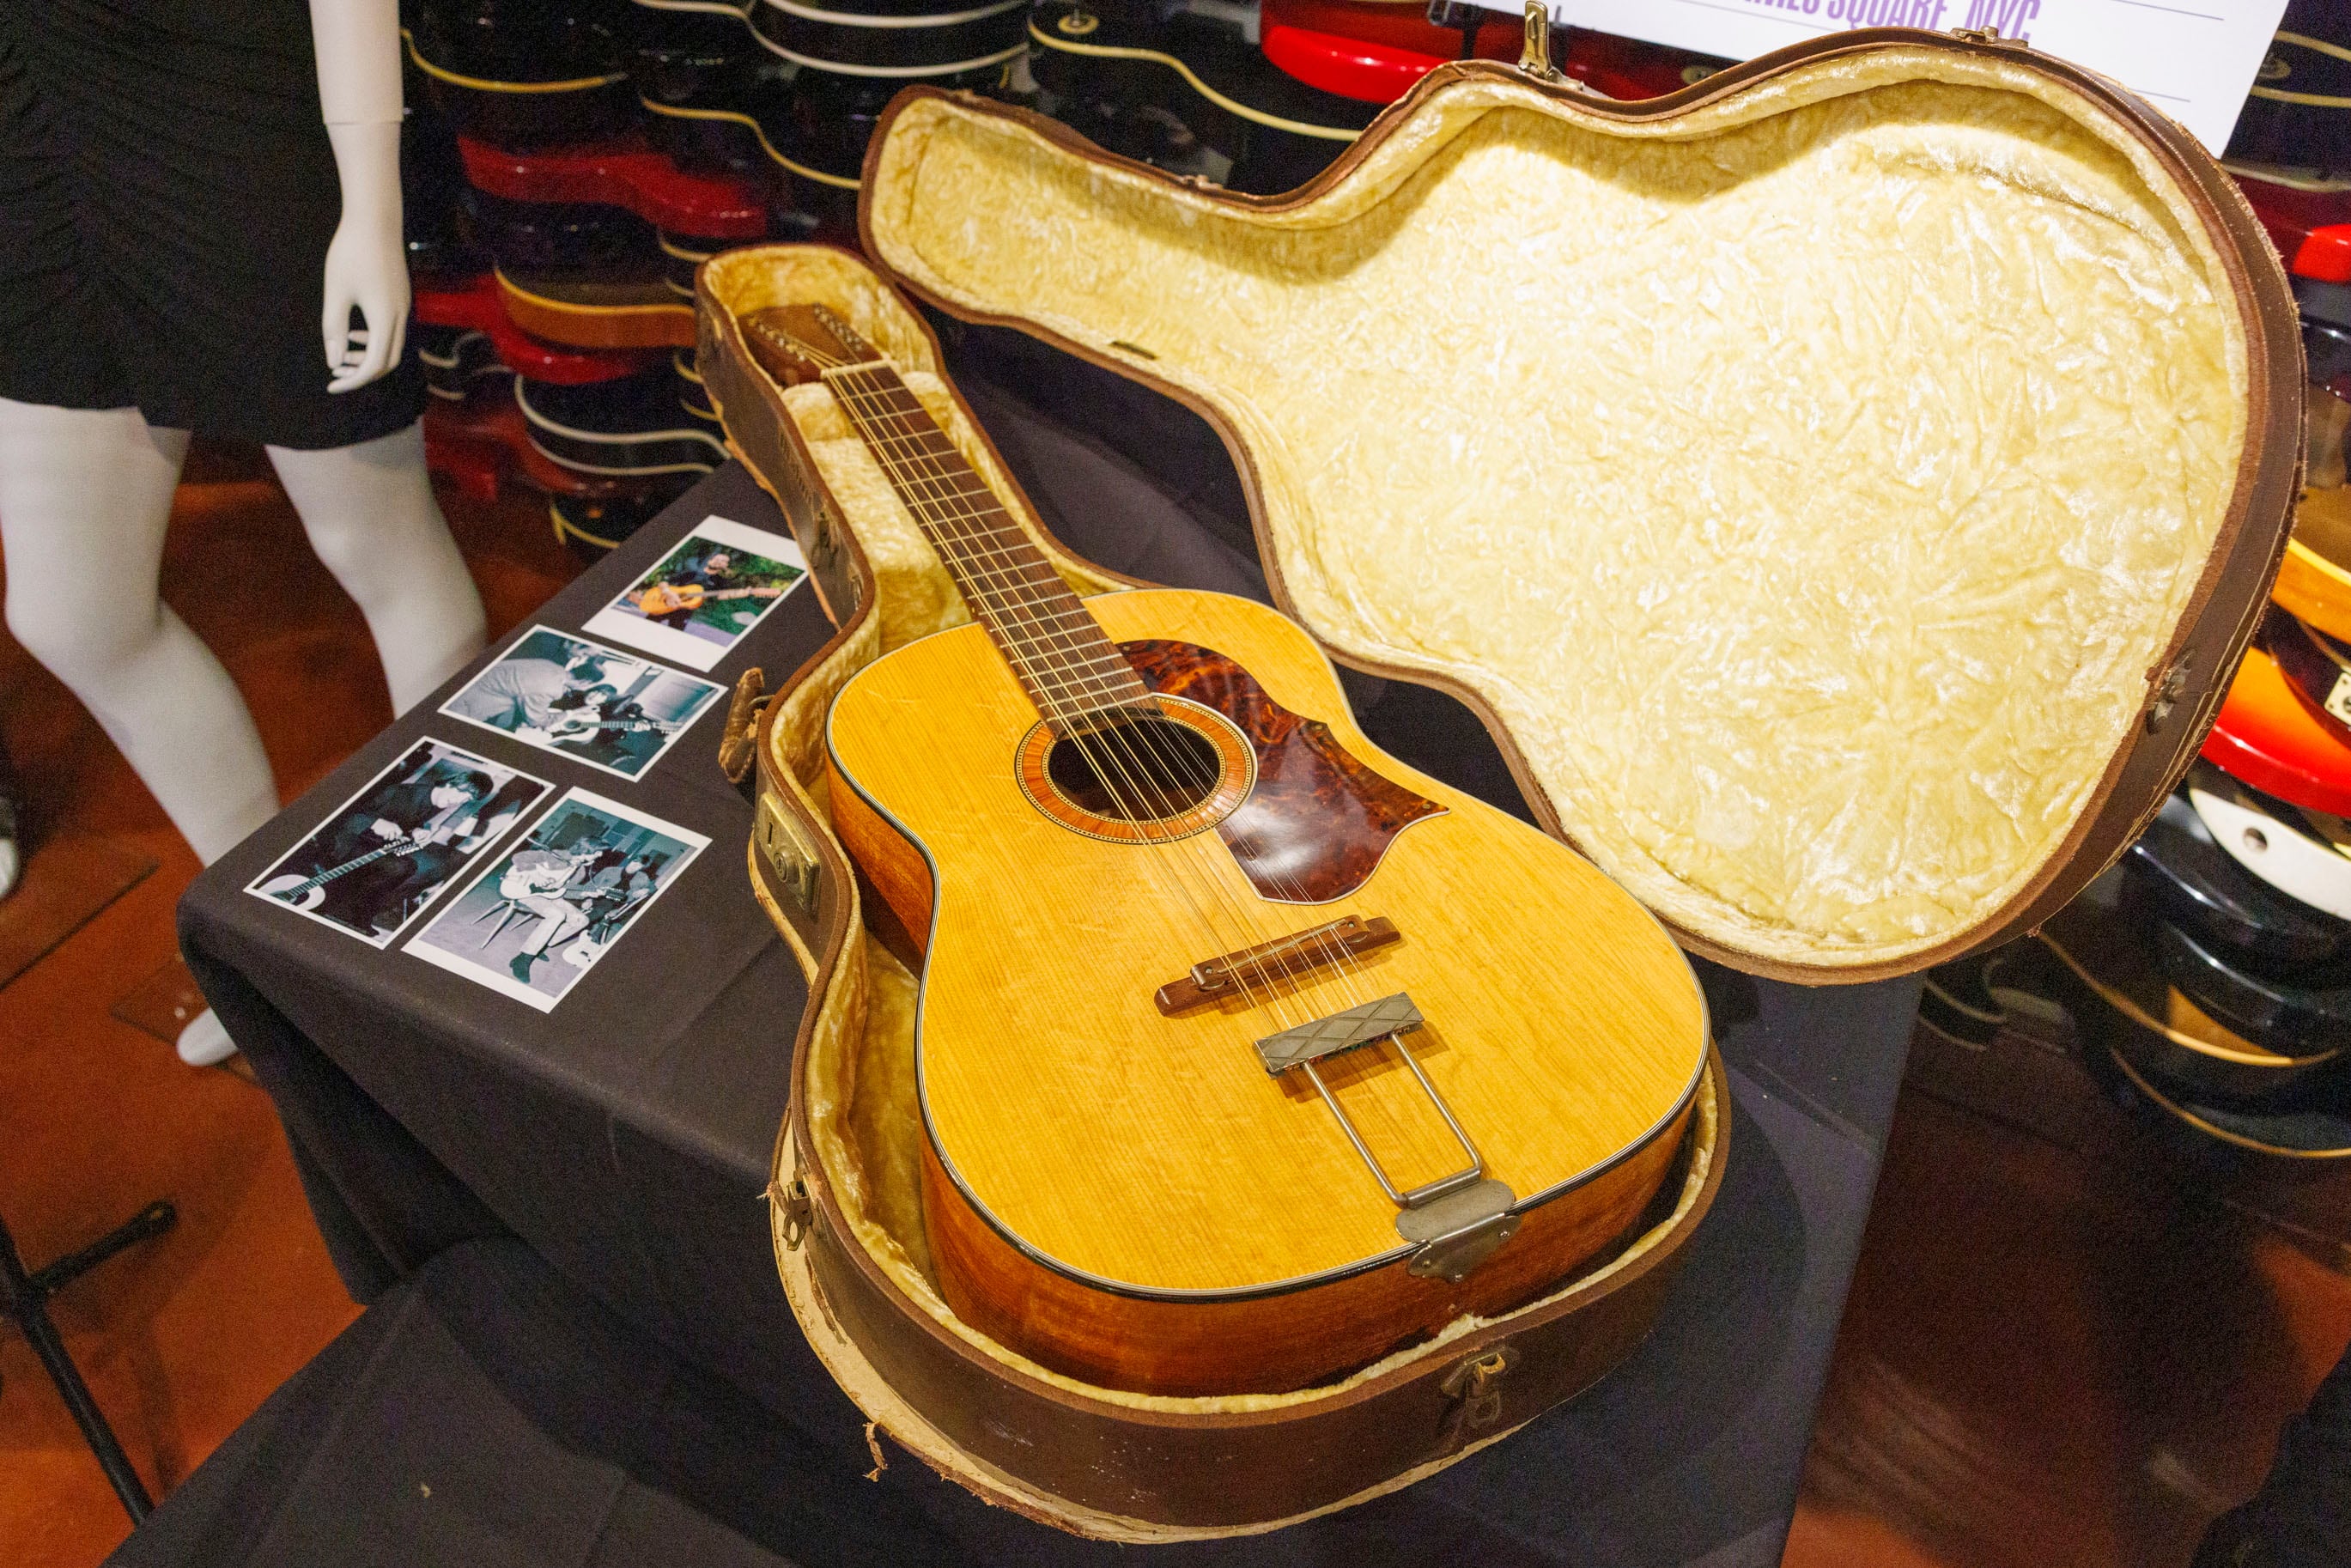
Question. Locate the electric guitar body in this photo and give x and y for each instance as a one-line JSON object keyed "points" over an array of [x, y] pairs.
{"points": [[1246, 1054]]}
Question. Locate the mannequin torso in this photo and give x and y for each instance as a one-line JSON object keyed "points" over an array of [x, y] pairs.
{"points": [[192, 206]]}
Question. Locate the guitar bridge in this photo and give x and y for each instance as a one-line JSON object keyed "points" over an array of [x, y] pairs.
{"points": [[1231, 974]]}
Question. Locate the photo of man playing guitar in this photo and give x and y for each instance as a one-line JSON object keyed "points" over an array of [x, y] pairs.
{"points": [[614, 711], [377, 860]]}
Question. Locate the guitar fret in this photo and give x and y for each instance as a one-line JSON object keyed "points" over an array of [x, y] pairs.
{"points": [[1052, 643]]}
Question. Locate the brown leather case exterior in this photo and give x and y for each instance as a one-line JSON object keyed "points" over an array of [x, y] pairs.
{"points": [[1116, 1472], [2185, 686]]}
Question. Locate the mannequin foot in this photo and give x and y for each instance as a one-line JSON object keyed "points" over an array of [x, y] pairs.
{"points": [[12, 854], [204, 1043], [521, 967]]}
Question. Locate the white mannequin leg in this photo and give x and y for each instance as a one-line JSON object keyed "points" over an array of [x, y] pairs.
{"points": [[369, 512], [85, 496]]}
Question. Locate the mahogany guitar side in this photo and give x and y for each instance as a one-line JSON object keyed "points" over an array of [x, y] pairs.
{"points": [[1128, 1195]]}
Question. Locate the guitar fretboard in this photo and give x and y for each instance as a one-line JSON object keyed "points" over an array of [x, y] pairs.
{"points": [[1065, 662]]}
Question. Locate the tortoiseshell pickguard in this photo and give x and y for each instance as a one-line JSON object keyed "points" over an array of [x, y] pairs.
{"points": [[1314, 827]]}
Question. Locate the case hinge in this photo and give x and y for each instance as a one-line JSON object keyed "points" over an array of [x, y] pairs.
{"points": [[738, 745], [1534, 55], [2168, 689]]}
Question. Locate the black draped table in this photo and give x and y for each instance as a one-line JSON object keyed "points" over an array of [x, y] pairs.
{"points": [[626, 1135]]}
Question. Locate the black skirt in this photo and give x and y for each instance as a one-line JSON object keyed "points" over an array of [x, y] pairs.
{"points": [[167, 193]]}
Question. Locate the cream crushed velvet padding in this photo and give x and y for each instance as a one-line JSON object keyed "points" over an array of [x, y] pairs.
{"points": [[1808, 483]]}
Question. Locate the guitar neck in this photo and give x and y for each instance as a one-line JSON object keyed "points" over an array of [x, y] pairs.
{"points": [[1071, 670], [352, 865]]}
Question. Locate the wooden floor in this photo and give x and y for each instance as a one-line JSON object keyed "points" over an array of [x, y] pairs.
{"points": [[2050, 1356]]}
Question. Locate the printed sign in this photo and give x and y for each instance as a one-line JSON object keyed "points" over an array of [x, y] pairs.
{"points": [[2193, 60]]}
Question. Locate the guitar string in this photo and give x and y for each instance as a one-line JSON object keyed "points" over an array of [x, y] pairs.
{"points": [[1334, 948], [1351, 971], [997, 597], [870, 402], [1052, 694]]}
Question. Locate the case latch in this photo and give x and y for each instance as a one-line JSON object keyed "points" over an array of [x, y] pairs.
{"points": [[1476, 1388], [1534, 55], [798, 1211], [789, 856]]}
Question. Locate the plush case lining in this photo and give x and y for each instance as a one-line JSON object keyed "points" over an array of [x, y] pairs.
{"points": [[1812, 481]]}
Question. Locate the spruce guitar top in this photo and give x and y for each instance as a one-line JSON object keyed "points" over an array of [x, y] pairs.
{"points": [[1246, 1054]]}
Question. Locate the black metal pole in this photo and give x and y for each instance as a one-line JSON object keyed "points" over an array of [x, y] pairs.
{"points": [[25, 1298]]}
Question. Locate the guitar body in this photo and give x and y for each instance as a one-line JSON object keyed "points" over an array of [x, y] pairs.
{"points": [[668, 598], [1127, 1195], [297, 892]]}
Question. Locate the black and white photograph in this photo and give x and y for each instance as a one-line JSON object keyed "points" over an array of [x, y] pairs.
{"points": [[614, 711], [540, 918], [705, 595], [380, 858]]}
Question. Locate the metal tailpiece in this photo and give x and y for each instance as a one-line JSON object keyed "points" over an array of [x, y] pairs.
{"points": [[1341, 1030], [1457, 1231], [1455, 1221]]}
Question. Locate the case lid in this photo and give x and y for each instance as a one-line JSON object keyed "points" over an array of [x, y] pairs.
{"points": [[1843, 486]]}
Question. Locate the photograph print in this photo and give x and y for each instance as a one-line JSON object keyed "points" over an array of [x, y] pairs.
{"points": [[705, 595], [383, 855], [582, 700], [540, 918]]}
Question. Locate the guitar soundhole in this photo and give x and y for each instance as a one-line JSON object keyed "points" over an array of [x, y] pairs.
{"points": [[1145, 779], [1144, 770]]}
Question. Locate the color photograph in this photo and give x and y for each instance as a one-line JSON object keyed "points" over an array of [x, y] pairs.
{"points": [[613, 711], [705, 595], [540, 918], [384, 854]]}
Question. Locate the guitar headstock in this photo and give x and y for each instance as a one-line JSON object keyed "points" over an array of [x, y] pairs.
{"points": [[797, 343]]}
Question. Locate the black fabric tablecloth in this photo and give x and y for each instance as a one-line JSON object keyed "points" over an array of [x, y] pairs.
{"points": [[486, 1414], [626, 1135]]}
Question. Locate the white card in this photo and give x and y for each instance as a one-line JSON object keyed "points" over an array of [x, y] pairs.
{"points": [[705, 594], [587, 870], [2193, 60]]}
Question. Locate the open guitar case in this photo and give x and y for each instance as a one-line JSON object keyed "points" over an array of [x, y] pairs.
{"points": [[1842, 488]]}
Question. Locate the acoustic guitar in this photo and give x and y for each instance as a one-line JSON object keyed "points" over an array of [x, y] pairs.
{"points": [[570, 729], [548, 873], [668, 598], [311, 891], [1246, 1053]]}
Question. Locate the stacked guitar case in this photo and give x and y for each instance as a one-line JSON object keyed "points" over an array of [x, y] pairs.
{"points": [[2209, 981], [570, 165], [1773, 615], [1261, 98]]}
